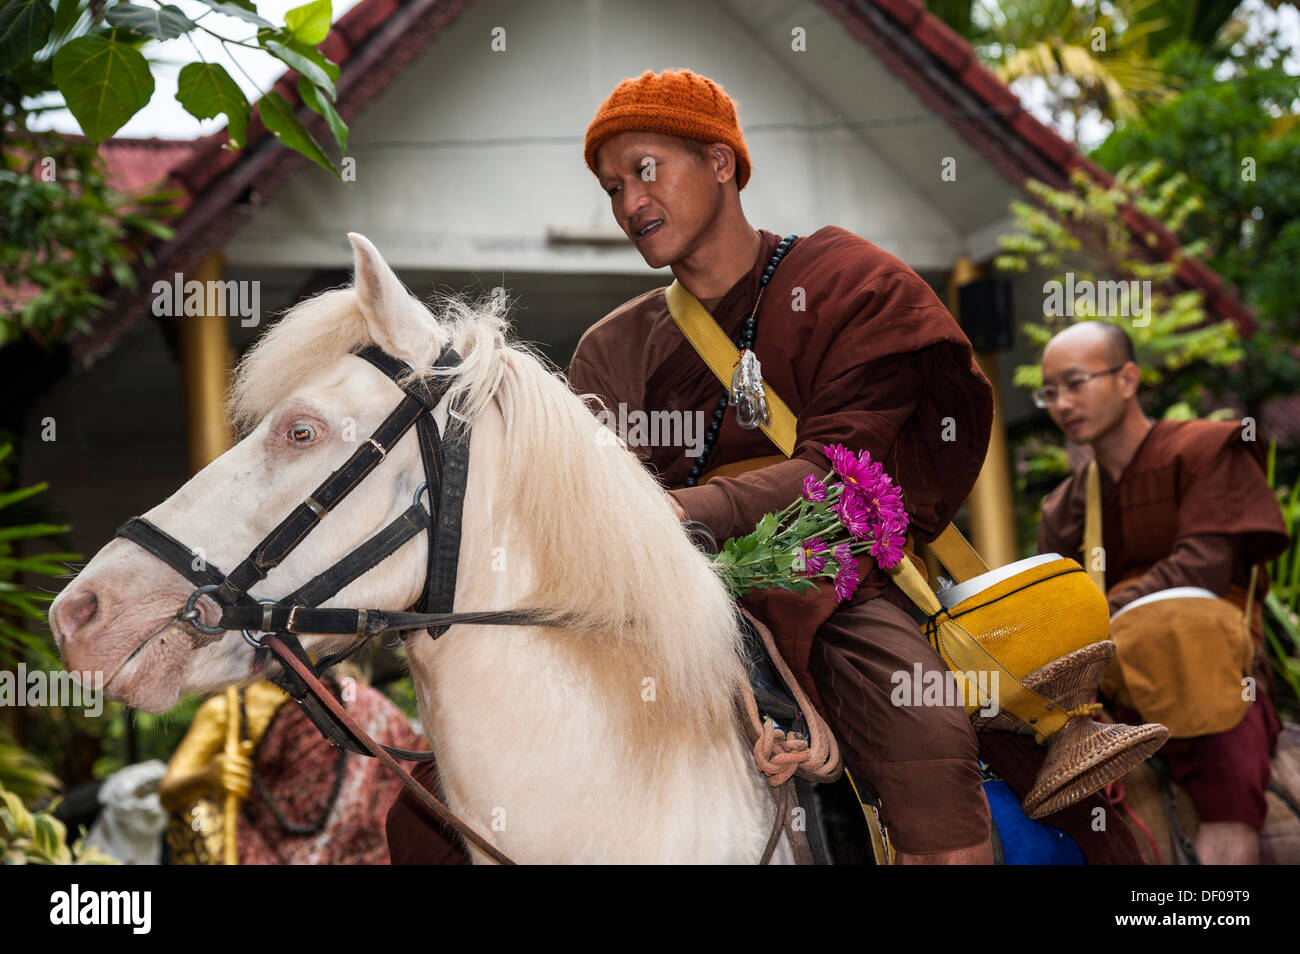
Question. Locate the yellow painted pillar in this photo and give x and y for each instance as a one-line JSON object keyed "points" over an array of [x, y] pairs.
{"points": [[206, 360], [992, 513]]}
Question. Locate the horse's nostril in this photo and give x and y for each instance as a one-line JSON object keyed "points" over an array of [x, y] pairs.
{"points": [[75, 611]]}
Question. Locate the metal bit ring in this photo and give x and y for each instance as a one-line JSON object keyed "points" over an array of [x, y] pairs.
{"points": [[191, 612]]}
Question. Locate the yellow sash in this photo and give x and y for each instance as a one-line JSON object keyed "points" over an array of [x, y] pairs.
{"points": [[712, 344], [959, 649]]}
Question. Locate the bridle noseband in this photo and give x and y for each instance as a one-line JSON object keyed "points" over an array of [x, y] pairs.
{"points": [[446, 470]]}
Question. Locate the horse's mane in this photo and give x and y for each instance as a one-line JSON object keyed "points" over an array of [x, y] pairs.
{"points": [[596, 526]]}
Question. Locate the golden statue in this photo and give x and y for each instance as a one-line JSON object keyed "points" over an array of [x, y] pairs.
{"points": [[211, 771]]}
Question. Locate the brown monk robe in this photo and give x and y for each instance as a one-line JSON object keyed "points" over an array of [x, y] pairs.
{"points": [[865, 355], [1192, 508]]}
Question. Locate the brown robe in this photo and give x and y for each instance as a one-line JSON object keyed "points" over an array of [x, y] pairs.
{"points": [[1192, 508], [864, 354]]}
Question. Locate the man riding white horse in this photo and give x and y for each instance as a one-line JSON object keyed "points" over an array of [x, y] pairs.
{"points": [[863, 352]]}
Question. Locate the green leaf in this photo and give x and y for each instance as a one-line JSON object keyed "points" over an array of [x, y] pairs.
{"points": [[24, 29], [50, 833], [309, 23], [206, 91], [165, 23], [303, 64], [244, 11], [13, 496], [104, 81], [302, 49], [280, 120], [154, 228], [325, 108], [32, 530]]}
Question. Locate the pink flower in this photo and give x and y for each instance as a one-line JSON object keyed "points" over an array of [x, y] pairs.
{"points": [[847, 579], [891, 524], [858, 473], [887, 548], [884, 502], [814, 552], [852, 511], [813, 489]]}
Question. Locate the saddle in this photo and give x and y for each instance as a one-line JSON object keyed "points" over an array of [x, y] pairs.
{"points": [[1163, 821]]}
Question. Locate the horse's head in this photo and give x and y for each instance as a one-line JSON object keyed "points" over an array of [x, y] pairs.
{"points": [[306, 403], [557, 517]]}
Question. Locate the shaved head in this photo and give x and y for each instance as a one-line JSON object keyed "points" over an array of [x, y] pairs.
{"points": [[1090, 381], [1096, 338]]}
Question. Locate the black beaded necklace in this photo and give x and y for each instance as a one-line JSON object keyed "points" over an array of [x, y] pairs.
{"points": [[744, 343]]}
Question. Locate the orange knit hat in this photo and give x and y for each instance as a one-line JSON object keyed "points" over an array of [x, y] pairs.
{"points": [[674, 103]]}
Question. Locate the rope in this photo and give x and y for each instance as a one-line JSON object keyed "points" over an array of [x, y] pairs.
{"points": [[1087, 709], [782, 754]]}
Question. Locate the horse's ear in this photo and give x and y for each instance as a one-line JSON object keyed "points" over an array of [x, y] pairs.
{"points": [[386, 305]]}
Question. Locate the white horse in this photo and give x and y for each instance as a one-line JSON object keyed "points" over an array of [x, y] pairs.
{"points": [[615, 740]]}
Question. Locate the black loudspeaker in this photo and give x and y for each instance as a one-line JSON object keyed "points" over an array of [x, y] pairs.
{"points": [[984, 310]]}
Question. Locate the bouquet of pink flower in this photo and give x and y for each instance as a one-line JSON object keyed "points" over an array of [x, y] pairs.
{"points": [[821, 533]]}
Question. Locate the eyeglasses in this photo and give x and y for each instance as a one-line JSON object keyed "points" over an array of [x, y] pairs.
{"points": [[1045, 397]]}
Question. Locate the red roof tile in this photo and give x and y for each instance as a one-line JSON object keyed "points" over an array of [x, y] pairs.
{"points": [[138, 164], [941, 40]]}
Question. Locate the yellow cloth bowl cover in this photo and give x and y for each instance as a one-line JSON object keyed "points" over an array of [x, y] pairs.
{"points": [[1181, 660], [1036, 616]]}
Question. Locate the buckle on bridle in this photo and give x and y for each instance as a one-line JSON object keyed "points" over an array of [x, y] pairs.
{"points": [[267, 606]]}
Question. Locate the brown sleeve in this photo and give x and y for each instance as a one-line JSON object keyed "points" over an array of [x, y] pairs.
{"points": [[1205, 560], [1230, 494], [883, 395], [585, 379], [735, 512]]}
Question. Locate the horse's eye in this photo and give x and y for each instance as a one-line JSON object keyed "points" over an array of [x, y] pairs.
{"points": [[300, 432]]}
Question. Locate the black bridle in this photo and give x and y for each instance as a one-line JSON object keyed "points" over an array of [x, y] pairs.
{"points": [[446, 469]]}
